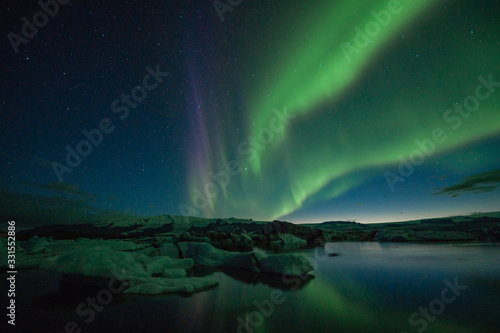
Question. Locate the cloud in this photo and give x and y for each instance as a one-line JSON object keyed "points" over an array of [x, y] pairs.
{"points": [[64, 188], [112, 198], [480, 183], [63, 204]]}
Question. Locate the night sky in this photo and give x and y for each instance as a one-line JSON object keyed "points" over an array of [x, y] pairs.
{"points": [[304, 111]]}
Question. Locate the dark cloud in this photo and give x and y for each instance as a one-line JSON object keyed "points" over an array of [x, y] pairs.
{"points": [[480, 183], [63, 204], [112, 198], [439, 177], [64, 188]]}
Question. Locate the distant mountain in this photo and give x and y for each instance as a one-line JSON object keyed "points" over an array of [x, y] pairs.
{"points": [[477, 227]]}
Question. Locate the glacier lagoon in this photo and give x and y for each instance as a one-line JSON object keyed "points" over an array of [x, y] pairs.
{"points": [[357, 287]]}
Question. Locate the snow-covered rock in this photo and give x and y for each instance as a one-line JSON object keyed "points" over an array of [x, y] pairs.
{"points": [[117, 245], [95, 261], [157, 265], [70, 245], [292, 240], [169, 285], [174, 273], [149, 251], [24, 260], [200, 249], [36, 245], [169, 249], [238, 242]]}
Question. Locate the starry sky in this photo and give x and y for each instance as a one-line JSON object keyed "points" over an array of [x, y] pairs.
{"points": [[301, 111]]}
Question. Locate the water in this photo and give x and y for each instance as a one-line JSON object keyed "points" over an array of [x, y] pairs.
{"points": [[368, 287]]}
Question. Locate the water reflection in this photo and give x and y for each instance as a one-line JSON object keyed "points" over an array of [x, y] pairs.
{"points": [[271, 280]]}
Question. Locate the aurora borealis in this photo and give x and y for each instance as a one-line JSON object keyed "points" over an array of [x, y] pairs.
{"points": [[346, 132], [333, 110]]}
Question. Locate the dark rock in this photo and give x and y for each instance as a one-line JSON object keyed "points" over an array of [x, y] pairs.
{"points": [[272, 230]]}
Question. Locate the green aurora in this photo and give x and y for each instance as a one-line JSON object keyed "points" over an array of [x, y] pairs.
{"points": [[356, 108]]}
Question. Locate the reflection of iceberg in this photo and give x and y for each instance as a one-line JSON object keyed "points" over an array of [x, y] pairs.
{"points": [[274, 281]]}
